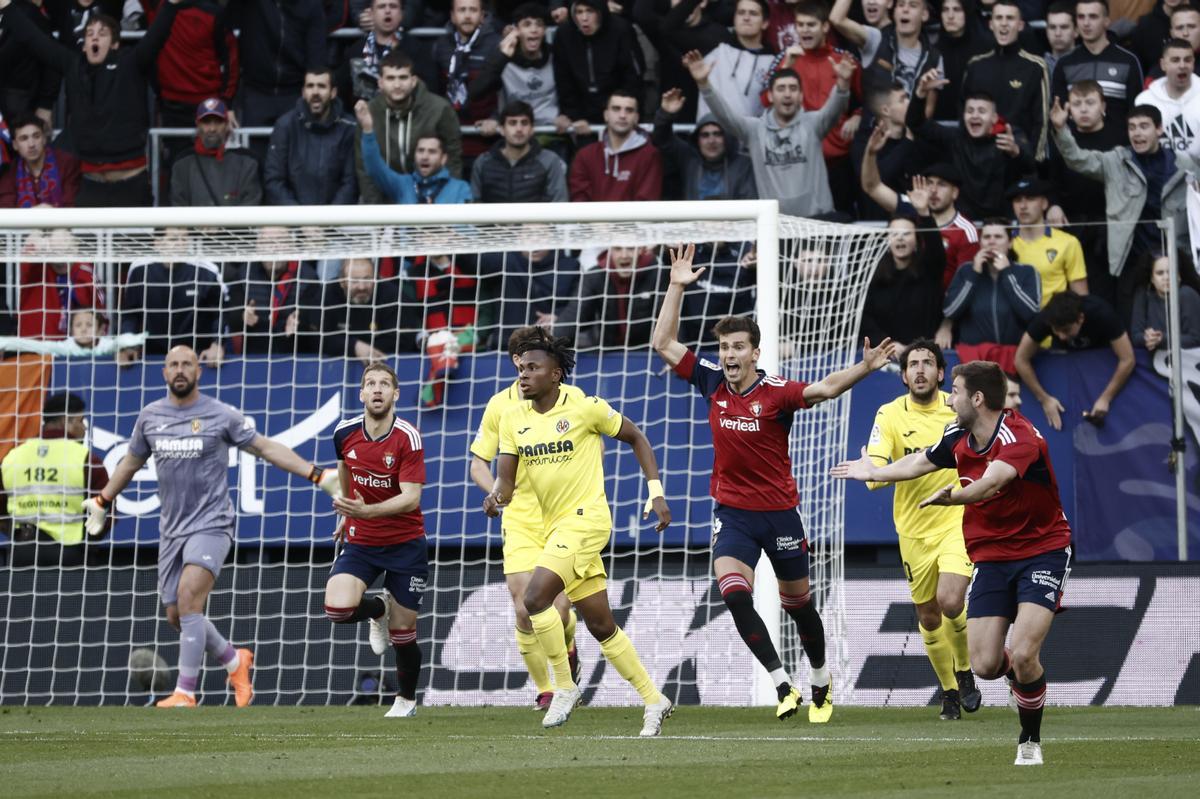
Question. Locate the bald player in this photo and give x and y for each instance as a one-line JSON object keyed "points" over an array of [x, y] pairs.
{"points": [[189, 434]]}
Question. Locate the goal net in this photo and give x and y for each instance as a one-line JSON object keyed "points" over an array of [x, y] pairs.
{"points": [[285, 305]]}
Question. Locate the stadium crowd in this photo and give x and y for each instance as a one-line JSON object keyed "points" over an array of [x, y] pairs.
{"points": [[958, 117]]}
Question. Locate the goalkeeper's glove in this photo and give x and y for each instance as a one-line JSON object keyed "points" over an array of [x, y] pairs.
{"points": [[655, 490], [96, 509], [327, 480]]}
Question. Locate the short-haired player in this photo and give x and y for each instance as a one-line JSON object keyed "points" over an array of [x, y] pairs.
{"points": [[521, 528], [381, 465], [189, 435], [750, 414], [1015, 530], [559, 439], [931, 538]]}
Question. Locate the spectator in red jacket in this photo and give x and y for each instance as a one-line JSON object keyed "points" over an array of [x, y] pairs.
{"points": [[199, 60], [42, 175], [623, 165], [51, 291]]}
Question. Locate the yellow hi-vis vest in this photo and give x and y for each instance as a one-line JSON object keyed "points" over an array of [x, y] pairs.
{"points": [[46, 483]]}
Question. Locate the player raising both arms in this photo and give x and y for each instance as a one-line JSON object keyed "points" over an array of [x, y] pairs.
{"points": [[1015, 530], [931, 539], [189, 436], [750, 414], [381, 463], [558, 438], [521, 527]]}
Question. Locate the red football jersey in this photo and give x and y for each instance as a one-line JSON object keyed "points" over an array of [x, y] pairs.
{"points": [[1026, 518], [377, 467], [752, 469], [961, 240]]}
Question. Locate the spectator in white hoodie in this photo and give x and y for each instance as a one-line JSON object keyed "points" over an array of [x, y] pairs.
{"points": [[1176, 95]]}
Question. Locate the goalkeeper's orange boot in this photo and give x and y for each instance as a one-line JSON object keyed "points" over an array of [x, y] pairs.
{"points": [[177, 699], [239, 678]]}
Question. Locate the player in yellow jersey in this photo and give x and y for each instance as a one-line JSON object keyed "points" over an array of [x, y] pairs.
{"points": [[931, 539], [522, 531], [558, 439]]}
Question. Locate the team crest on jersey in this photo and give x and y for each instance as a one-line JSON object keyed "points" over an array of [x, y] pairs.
{"points": [[756, 407], [562, 426], [195, 425], [389, 460]]}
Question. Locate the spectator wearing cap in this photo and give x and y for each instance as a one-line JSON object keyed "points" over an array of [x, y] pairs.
{"points": [[1176, 95], [521, 68], [1054, 253], [1143, 183], [430, 182], [595, 54], [991, 300], [459, 56], [1075, 323], [311, 157], [960, 238], [707, 166], [210, 174], [987, 151], [1097, 58], [43, 483], [358, 78], [105, 87], [1015, 78], [42, 174], [517, 169], [623, 165]]}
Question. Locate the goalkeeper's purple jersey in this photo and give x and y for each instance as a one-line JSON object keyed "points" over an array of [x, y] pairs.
{"points": [[752, 469], [190, 449]]}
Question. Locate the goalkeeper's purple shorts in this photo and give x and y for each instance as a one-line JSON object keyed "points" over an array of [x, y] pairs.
{"points": [[746, 534], [206, 550]]}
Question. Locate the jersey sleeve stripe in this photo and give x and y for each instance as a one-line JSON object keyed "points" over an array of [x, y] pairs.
{"points": [[348, 422], [414, 437]]}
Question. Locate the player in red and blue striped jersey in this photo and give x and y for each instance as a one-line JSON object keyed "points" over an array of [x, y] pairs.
{"points": [[750, 414], [381, 464], [1015, 531]]}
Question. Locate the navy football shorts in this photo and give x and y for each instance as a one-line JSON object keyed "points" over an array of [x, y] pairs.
{"points": [[998, 587], [405, 568], [745, 534]]}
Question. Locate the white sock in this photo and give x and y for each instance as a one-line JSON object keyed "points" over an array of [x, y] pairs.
{"points": [[820, 677], [232, 665], [779, 677]]}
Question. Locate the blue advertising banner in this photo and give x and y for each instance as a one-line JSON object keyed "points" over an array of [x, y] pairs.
{"points": [[1115, 485]]}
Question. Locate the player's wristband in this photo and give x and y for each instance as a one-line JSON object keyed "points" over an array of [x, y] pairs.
{"points": [[655, 489], [101, 501], [314, 474]]}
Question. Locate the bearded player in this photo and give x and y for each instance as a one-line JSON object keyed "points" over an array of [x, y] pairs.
{"points": [[931, 539], [189, 435], [559, 439], [521, 528], [381, 465], [1015, 530], [750, 414]]}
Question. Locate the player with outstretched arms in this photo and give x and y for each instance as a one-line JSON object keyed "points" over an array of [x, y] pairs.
{"points": [[521, 528], [931, 538], [381, 465], [189, 435], [1015, 530], [558, 438], [750, 414]]}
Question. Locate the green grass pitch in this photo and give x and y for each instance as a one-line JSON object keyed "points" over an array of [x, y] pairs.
{"points": [[1099, 753]]}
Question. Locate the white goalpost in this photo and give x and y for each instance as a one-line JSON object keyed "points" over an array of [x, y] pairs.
{"points": [[68, 633]]}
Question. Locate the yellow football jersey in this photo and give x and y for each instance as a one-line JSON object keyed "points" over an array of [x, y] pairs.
{"points": [[523, 512], [1058, 258], [563, 455], [903, 427]]}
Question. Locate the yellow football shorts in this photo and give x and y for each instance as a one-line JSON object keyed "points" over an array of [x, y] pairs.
{"points": [[522, 548], [926, 558], [573, 553]]}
